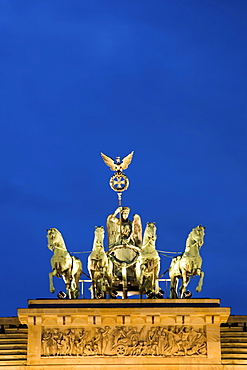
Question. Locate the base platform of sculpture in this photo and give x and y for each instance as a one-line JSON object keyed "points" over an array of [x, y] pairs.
{"points": [[103, 334]]}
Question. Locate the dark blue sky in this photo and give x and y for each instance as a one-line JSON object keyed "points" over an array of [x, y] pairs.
{"points": [[166, 79]]}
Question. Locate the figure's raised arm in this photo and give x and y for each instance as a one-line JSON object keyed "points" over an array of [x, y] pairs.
{"points": [[118, 210], [113, 217]]}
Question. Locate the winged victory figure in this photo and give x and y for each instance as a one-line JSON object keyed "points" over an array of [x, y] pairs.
{"points": [[122, 230]]}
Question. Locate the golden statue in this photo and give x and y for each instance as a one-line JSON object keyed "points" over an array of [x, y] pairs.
{"points": [[148, 264], [188, 264], [119, 165], [63, 264], [119, 182], [132, 266], [122, 231], [98, 266], [124, 243]]}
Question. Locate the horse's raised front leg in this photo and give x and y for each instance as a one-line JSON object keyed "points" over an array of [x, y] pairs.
{"points": [[201, 274], [51, 274]]}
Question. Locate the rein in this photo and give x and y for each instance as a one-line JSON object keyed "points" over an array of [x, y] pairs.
{"points": [[56, 247]]}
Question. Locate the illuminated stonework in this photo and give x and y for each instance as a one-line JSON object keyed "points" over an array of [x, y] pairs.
{"points": [[133, 333], [167, 341]]}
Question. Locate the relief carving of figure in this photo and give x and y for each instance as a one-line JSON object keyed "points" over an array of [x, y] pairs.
{"points": [[170, 346], [89, 349], [178, 340], [47, 342], [198, 345], [98, 340], [107, 341], [185, 339], [79, 342], [125, 341]]}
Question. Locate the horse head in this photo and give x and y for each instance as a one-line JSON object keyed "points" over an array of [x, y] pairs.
{"points": [[54, 237], [150, 234], [197, 234], [99, 234]]}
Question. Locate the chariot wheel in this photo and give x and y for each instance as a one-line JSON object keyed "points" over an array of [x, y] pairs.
{"points": [[121, 350]]}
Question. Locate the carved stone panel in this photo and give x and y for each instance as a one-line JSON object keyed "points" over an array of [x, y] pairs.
{"points": [[165, 341]]}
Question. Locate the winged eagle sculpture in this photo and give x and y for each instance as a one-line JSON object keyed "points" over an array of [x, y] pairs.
{"points": [[118, 165]]}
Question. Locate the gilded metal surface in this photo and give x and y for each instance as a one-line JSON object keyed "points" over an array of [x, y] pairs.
{"points": [[188, 264], [118, 165], [99, 266], [63, 264], [122, 230], [119, 182], [127, 260], [148, 262]]}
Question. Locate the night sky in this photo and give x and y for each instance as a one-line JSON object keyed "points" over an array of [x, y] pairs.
{"points": [[164, 78]]}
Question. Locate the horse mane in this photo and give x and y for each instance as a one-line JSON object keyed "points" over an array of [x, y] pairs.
{"points": [[58, 237], [194, 237], [149, 234], [98, 242]]}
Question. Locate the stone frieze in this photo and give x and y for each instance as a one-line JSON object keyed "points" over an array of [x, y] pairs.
{"points": [[166, 341]]}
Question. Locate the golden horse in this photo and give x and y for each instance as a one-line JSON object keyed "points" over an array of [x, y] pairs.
{"points": [[188, 264], [148, 264], [63, 264], [98, 266]]}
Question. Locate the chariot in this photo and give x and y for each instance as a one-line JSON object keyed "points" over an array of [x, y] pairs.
{"points": [[123, 260], [130, 265]]}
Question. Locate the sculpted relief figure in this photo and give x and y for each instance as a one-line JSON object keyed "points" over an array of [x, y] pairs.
{"points": [[198, 344], [47, 342], [171, 341]]}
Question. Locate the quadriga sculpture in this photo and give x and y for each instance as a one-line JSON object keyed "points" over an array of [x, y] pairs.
{"points": [[63, 264], [148, 264], [98, 266], [188, 264]]}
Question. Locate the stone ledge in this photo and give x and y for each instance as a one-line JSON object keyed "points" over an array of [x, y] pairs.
{"points": [[110, 303]]}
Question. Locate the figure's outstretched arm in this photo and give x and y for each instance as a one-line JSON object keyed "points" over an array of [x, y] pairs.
{"points": [[118, 210]]}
